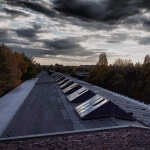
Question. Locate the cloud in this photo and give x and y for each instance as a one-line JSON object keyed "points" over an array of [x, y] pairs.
{"points": [[3, 33], [144, 41], [108, 11], [66, 46], [14, 13], [105, 14], [27, 33], [67, 29], [8, 36], [89, 14], [117, 37], [39, 8], [144, 3], [29, 51], [81, 8], [30, 33], [58, 48]]}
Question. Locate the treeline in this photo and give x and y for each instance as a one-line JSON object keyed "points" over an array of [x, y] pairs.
{"points": [[68, 70], [15, 68], [132, 81], [123, 77]]}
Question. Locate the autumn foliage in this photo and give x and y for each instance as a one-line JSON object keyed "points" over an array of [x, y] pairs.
{"points": [[14, 68], [130, 80]]}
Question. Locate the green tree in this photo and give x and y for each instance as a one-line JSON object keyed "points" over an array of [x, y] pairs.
{"points": [[32, 70], [117, 83]]}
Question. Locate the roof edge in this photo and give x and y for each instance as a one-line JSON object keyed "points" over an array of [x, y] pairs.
{"points": [[70, 132]]}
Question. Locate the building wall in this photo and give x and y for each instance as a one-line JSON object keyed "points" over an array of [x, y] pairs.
{"points": [[128, 138]]}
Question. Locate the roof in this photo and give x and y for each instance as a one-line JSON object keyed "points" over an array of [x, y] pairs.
{"points": [[140, 110], [47, 110], [11, 102]]}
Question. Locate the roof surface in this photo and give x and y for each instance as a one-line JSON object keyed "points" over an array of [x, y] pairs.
{"points": [[47, 110], [11, 102]]}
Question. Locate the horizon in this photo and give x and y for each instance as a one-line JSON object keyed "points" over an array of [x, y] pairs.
{"points": [[76, 32]]}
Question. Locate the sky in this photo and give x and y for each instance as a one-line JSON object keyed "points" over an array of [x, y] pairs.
{"points": [[76, 32]]}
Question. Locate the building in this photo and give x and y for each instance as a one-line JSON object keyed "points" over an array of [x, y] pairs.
{"points": [[60, 112]]}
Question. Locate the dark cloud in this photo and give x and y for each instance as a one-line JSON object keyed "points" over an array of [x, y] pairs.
{"points": [[27, 33], [93, 25], [67, 46], [105, 14], [99, 10], [14, 13], [14, 41], [34, 5], [81, 8], [117, 38], [52, 48], [89, 15], [36, 26], [118, 10], [30, 33], [7, 37], [144, 3], [108, 11], [49, 54], [30, 52], [144, 41], [39, 8], [10, 36], [3, 33], [145, 23], [10, 2]]}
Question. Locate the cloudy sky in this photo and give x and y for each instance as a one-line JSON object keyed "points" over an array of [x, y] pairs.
{"points": [[74, 32]]}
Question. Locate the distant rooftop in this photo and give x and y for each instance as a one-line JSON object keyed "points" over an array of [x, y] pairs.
{"points": [[47, 109]]}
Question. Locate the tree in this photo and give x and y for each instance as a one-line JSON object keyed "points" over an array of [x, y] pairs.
{"points": [[123, 63], [102, 59], [117, 83], [14, 67], [22, 64], [147, 59], [138, 64], [32, 69], [10, 73]]}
